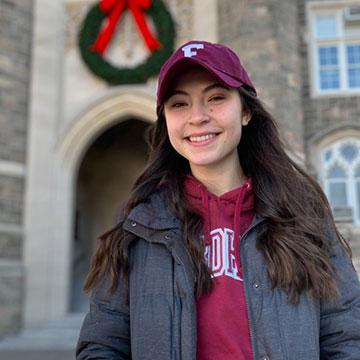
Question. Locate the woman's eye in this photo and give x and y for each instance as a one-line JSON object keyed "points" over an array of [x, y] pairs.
{"points": [[178, 104], [217, 98]]}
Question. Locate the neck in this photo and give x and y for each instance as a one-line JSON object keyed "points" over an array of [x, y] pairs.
{"points": [[219, 181]]}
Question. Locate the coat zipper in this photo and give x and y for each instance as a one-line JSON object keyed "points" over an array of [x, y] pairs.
{"points": [[246, 288]]}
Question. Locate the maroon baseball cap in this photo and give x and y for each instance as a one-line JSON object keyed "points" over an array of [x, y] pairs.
{"points": [[216, 58]]}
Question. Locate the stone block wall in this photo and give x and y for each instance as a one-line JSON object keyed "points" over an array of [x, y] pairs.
{"points": [[264, 33], [15, 49], [15, 41], [323, 116], [270, 38]]}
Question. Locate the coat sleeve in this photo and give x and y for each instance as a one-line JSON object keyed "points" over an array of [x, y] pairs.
{"points": [[340, 319], [105, 333]]}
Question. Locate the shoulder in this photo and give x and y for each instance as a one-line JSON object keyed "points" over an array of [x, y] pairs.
{"points": [[156, 212]]}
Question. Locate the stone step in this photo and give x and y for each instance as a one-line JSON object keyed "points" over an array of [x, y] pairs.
{"points": [[57, 341], [52, 354]]}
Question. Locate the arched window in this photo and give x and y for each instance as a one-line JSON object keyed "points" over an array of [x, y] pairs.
{"points": [[341, 176]]}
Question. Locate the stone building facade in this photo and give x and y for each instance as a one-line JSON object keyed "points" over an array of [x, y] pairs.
{"points": [[331, 107], [16, 21], [62, 129], [265, 34]]}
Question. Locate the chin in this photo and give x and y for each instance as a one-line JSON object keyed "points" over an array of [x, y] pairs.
{"points": [[203, 163]]}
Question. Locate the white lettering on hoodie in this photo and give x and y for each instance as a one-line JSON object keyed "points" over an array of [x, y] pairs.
{"points": [[220, 255]]}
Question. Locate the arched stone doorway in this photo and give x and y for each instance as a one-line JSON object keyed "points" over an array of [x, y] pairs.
{"points": [[105, 177], [51, 197]]}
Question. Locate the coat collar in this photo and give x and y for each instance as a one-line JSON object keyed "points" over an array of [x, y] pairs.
{"points": [[155, 213], [154, 222]]}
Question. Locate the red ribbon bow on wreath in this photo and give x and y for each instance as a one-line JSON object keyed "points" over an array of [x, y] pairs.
{"points": [[114, 9]]}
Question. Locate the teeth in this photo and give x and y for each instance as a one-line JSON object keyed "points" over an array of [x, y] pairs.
{"points": [[201, 138]]}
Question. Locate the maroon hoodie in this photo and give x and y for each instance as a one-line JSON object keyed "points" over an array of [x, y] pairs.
{"points": [[222, 319]]}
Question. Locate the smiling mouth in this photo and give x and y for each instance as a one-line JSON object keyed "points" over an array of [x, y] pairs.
{"points": [[201, 138]]}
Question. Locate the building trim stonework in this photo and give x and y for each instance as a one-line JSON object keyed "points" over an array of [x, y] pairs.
{"points": [[44, 114], [54, 155], [68, 153], [12, 168], [120, 102]]}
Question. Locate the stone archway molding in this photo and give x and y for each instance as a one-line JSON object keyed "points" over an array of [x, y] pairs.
{"points": [[325, 138], [104, 114]]}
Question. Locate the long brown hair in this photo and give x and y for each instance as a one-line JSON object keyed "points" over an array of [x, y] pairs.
{"points": [[296, 241]]}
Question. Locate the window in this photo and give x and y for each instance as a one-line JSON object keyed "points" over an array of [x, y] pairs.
{"points": [[353, 62], [326, 26], [341, 175], [329, 67], [335, 49]]}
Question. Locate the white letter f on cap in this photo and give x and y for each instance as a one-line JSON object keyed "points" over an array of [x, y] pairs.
{"points": [[190, 50]]}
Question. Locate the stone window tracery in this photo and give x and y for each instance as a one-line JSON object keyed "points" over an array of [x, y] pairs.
{"points": [[341, 176]]}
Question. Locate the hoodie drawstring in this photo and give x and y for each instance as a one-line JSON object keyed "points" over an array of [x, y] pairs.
{"points": [[207, 222]]}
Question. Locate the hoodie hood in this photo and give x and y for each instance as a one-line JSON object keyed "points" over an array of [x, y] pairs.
{"points": [[233, 209]]}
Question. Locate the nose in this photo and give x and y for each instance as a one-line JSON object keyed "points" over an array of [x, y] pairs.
{"points": [[199, 114]]}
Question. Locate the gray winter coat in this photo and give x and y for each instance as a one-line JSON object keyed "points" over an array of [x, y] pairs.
{"points": [[160, 320]]}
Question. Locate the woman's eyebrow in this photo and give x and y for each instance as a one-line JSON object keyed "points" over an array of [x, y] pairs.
{"points": [[177, 92], [208, 88], [214, 86]]}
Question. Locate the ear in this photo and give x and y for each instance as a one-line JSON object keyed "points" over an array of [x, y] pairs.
{"points": [[246, 117]]}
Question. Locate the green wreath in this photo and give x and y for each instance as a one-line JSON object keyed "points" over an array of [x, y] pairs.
{"points": [[113, 75]]}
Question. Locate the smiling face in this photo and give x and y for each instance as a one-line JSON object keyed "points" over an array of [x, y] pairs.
{"points": [[204, 120]]}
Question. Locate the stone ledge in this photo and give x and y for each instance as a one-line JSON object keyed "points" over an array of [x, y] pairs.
{"points": [[59, 335], [11, 268], [53, 354], [12, 168]]}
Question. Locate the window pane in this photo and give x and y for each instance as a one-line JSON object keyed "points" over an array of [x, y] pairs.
{"points": [[357, 171], [329, 79], [336, 172], [328, 55], [328, 155], [354, 78], [349, 152], [353, 54], [337, 194], [325, 26]]}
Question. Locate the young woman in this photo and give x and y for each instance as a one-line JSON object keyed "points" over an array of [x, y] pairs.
{"points": [[226, 248]]}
